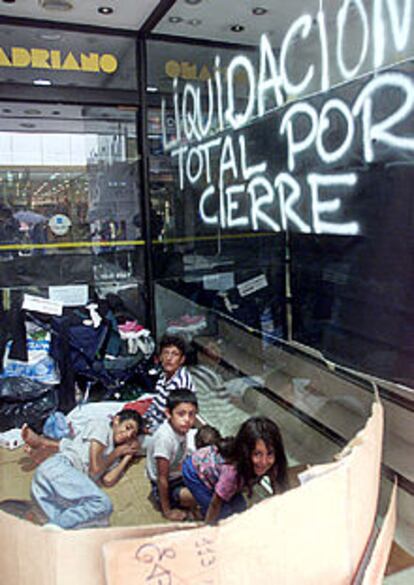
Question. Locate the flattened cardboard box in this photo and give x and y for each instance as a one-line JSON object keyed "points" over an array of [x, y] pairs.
{"points": [[32, 555], [315, 534]]}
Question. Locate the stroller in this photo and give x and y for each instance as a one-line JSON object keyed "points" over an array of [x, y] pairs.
{"points": [[95, 359]]}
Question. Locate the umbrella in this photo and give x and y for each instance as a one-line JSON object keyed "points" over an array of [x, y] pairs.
{"points": [[29, 217]]}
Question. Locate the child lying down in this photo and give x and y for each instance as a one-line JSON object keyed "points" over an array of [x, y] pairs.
{"points": [[65, 484]]}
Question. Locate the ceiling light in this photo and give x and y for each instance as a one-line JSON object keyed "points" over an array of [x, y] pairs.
{"points": [[105, 10], [237, 28], [50, 36], [258, 11], [193, 2], [175, 19], [42, 82], [58, 5], [194, 22], [152, 89]]}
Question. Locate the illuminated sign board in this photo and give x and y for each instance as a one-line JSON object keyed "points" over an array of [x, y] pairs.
{"points": [[23, 58], [211, 146]]}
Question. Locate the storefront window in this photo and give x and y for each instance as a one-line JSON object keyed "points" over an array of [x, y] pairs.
{"points": [[70, 201], [276, 170], [233, 220], [219, 269]]}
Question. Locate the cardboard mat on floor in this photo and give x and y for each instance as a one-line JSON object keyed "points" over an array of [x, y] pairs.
{"points": [[313, 534]]}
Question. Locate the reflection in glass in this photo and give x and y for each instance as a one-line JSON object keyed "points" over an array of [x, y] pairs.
{"points": [[70, 209]]}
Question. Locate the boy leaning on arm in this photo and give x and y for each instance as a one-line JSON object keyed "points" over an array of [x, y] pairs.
{"points": [[166, 451], [65, 484]]}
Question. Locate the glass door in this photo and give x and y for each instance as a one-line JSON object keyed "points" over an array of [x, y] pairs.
{"points": [[70, 203]]}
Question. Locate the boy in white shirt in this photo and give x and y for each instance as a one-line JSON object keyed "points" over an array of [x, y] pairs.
{"points": [[166, 451], [65, 484]]}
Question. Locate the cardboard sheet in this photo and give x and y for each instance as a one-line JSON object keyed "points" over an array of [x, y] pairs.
{"points": [[374, 573], [253, 547], [314, 534], [32, 555]]}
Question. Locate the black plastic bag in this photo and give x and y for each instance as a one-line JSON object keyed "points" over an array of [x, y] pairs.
{"points": [[23, 400], [20, 389]]}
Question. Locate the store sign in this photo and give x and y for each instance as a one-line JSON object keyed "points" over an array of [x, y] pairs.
{"points": [[22, 58], [253, 285], [192, 71], [305, 164], [60, 224], [186, 70]]}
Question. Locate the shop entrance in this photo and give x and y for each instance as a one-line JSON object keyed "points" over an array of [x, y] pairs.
{"points": [[70, 208]]}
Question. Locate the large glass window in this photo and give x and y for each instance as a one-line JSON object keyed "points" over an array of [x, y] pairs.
{"points": [[70, 201], [275, 236], [219, 266]]}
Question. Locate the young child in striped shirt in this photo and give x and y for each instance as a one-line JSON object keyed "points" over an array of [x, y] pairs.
{"points": [[174, 377]]}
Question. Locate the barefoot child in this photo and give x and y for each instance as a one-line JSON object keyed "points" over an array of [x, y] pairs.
{"points": [[166, 451], [216, 475], [65, 484], [38, 447]]}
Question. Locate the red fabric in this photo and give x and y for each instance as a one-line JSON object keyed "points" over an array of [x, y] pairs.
{"points": [[141, 406]]}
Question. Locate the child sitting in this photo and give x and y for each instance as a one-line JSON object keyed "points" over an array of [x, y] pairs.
{"points": [[166, 451], [174, 376], [217, 474], [65, 484], [206, 435]]}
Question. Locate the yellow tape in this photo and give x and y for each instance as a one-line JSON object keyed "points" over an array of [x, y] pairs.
{"points": [[72, 245], [124, 243]]}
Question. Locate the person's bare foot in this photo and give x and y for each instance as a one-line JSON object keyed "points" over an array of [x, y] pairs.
{"points": [[39, 454], [30, 437]]}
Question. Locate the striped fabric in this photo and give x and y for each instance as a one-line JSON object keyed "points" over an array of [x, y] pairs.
{"points": [[155, 415], [215, 403], [209, 379]]}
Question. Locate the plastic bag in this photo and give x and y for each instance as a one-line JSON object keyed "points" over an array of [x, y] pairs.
{"points": [[21, 389], [25, 401], [56, 426], [40, 365]]}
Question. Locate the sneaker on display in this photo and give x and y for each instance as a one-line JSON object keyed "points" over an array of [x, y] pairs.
{"points": [[187, 323]]}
